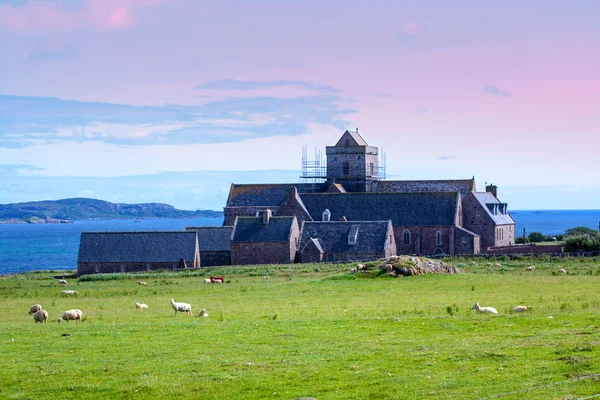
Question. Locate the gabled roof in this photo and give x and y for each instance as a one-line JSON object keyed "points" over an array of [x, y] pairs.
{"points": [[260, 195], [404, 209], [463, 186], [354, 139], [336, 188], [251, 229], [333, 236], [313, 242], [486, 200], [213, 238], [129, 247]]}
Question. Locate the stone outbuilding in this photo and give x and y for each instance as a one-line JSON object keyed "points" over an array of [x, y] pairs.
{"points": [[102, 252], [265, 239], [214, 243], [346, 241]]}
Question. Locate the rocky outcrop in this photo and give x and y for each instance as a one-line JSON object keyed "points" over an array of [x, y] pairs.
{"points": [[409, 266]]}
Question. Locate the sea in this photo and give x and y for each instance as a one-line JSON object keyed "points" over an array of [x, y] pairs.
{"points": [[31, 247]]}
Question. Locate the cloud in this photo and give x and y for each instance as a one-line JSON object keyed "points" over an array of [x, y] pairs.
{"points": [[420, 110], [242, 85], [493, 90], [34, 16], [52, 50], [34, 120], [411, 28], [445, 158], [382, 94]]}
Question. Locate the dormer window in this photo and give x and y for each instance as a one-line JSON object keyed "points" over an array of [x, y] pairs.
{"points": [[326, 215]]}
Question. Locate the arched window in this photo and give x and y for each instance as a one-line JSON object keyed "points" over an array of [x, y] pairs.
{"points": [[438, 237], [346, 168], [406, 237]]}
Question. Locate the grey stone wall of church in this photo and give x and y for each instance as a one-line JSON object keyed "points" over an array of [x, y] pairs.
{"points": [[247, 253], [215, 258], [250, 211]]}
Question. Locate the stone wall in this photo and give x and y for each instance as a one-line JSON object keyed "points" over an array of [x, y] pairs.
{"points": [[525, 249], [247, 253], [215, 258], [466, 242], [481, 224], [423, 186], [424, 240], [104, 268]]}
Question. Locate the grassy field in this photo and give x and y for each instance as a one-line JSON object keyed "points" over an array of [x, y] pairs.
{"points": [[327, 334]]}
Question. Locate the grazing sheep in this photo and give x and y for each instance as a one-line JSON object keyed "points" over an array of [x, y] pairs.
{"points": [[71, 314], [181, 307], [70, 292], [62, 282], [389, 267], [352, 270], [266, 277], [207, 281], [497, 265], [203, 313], [530, 268], [141, 306], [521, 308], [142, 283], [489, 264], [562, 271], [35, 308], [487, 310], [361, 267], [40, 316], [216, 279]]}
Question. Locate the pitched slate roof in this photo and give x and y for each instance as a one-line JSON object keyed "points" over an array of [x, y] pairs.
{"points": [[260, 195], [213, 238], [356, 138], [463, 186], [333, 236], [487, 200], [404, 209], [126, 247], [251, 229]]}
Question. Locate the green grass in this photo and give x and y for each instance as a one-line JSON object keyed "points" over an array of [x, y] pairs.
{"points": [[327, 335]]}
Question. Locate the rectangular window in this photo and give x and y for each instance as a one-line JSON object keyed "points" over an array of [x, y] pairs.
{"points": [[478, 213], [346, 168]]}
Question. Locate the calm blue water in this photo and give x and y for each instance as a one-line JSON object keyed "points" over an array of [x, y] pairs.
{"points": [[27, 247]]}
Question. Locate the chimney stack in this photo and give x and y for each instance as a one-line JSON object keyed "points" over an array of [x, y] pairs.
{"points": [[266, 216], [493, 189]]}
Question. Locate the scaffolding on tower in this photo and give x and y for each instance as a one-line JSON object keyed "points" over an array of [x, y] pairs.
{"points": [[314, 172]]}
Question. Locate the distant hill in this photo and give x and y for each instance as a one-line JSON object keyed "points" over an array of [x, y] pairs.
{"points": [[57, 211]]}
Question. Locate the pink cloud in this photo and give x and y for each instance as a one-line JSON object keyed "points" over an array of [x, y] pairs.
{"points": [[44, 17], [411, 28]]}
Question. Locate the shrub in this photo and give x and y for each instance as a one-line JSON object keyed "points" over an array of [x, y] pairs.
{"points": [[582, 230], [582, 243]]}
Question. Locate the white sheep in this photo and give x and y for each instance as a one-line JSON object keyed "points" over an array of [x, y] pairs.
{"points": [[40, 316], [71, 314], [497, 265], [562, 271], [181, 307], [142, 283], [530, 268], [203, 313], [141, 306], [62, 282], [352, 270], [361, 267], [266, 277], [487, 310], [70, 292], [35, 308], [207, 280], [521, 308]]}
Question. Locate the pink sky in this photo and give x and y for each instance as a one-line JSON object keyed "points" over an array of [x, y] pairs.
{"points": [[502, 88]]}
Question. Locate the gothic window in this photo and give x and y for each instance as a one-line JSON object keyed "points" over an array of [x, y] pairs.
{"points": [[346, 168], [406, 237], [438, 237]]}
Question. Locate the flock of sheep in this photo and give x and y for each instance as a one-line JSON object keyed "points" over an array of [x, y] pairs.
{"points": [[41, 315]]}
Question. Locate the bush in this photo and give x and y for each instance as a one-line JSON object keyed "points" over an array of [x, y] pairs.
{"points": [[519, 240], [582, 243], [536, 237], [582, 230]]}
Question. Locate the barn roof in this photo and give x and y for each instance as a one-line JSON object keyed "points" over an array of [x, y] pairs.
{"points": [[332, 237], [404, 209], [252, 229], [463, 186], [126, 247], [213, 238]]}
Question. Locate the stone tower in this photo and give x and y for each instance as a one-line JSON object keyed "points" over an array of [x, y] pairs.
{"points": [[353, 163]]}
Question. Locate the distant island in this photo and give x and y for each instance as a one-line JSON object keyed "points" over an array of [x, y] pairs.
{"points": [[69, 210]]}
